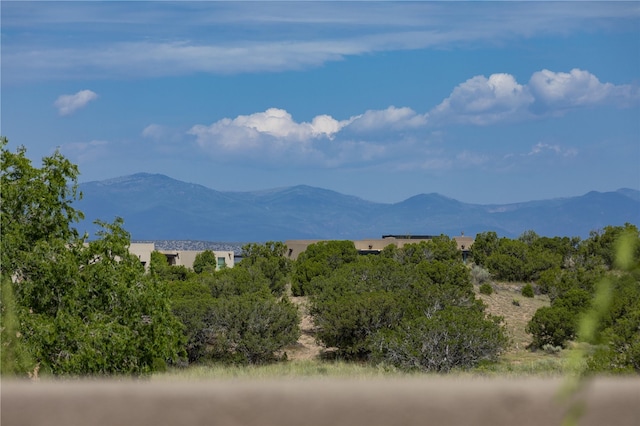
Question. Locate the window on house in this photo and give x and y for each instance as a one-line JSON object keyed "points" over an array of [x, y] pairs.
{"points": [[221, 263]]}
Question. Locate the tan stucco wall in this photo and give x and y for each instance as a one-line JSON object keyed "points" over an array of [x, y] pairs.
{"points": [[182, 257], [295, 247], [187, 257]]}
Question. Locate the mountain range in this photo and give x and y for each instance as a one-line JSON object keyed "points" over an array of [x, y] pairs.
{"points": [[157, 207]]}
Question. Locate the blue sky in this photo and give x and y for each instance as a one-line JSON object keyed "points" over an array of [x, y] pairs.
{"points": [[485, 102]]}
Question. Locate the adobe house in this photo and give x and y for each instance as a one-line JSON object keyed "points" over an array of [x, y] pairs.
{"points": [[179, 257], [376, 245]]}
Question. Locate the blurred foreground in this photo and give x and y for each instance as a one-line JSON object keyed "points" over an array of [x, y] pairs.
{"points": [[413, 401]]}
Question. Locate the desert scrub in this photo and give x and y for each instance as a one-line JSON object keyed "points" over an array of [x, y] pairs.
{"points": [[479, 275], [486, 288], [527, 291]]}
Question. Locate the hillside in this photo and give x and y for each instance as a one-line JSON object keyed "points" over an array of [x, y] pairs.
{"points": [[157, 207]]}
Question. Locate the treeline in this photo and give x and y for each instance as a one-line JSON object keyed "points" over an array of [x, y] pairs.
{"points": [[596, 279], [74, 307]]}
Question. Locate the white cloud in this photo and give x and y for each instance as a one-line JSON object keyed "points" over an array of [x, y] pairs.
{"points": [[577, 88], [274, 127], [500, 98], [68, 104], [156, 39], [395, 133], [154, 131], [542, 148], [268, 136], [390, 118], [482, 101]]}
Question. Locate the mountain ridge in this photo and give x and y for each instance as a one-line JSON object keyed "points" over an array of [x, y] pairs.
{"points": [[158, 207]]}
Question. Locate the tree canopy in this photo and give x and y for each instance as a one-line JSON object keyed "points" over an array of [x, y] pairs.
{"points": [[82, 307]]}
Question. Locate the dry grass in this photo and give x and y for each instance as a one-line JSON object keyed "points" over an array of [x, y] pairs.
{"points": [[515, 317]]}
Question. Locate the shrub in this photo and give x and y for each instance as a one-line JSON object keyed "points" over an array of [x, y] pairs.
{"points": [[552, 326], [551, 350], [527, 291], [249, 329], [320, 260], [515, 302], [486, 288], [479, 275], [269, 261], [403, 313], [455, 337], [232, 316]]}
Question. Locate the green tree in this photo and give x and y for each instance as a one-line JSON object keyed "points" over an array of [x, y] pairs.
{"points": [[440, 248], [36, 204], [233, 316], [161, 269], [191, 302], [483, 246], [249, 329], [378, 294], [320, 259], [269, 260], [600, 247], [205, 261], [553, 326], [81, 308]]}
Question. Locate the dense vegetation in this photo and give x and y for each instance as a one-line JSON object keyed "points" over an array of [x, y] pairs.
{"points": [[236, 315], [413, 308], [68, 306], [76, 307], [572, 272]]}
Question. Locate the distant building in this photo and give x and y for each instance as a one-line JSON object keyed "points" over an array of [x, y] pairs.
{"points": [[375, 246], [179, 257]]}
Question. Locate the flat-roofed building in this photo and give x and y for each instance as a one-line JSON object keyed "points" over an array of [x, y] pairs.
{"points": [[376, 245], [224, 259]]}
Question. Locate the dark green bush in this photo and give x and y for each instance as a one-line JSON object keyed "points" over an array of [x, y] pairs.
{"points": [[364, 307], [527, 291], [486, 288], [232, 316], [320, 260], [249, 329], [205, 261], [552, 326]]}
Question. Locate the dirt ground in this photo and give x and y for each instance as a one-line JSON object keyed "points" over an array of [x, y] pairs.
{"points": [[306, 348]]}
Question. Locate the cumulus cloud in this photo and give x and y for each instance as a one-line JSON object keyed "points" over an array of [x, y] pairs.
{"points": [[482, 100], [68, 104], [577, 88], [269, 134], [274, 126], [500, 98], [395, 132]]}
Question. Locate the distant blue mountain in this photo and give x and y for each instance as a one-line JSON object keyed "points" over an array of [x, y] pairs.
{"points": [[157, 207]]}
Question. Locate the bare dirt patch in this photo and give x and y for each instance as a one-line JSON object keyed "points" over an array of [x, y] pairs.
{"points": [[517, 311], [306, 348]]}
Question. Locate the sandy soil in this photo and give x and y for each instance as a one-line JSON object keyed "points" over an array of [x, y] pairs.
{"points": [[306, 348]]}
